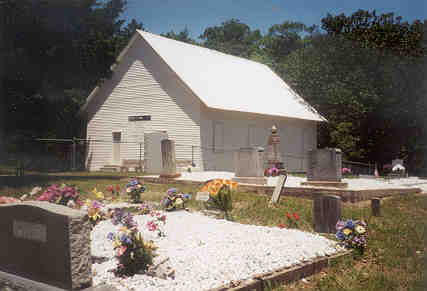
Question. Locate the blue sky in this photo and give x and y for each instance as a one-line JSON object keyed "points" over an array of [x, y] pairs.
{"points": [[159, 16]]}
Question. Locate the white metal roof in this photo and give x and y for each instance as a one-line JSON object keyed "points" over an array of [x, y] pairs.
{"points": [[227, 82]]}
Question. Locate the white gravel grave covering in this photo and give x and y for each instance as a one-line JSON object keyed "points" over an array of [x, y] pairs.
{"points": [[207, 253], [294, 181]]}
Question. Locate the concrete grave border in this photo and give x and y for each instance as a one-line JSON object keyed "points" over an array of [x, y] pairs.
{"points": [[346, 195], [284, 275]]}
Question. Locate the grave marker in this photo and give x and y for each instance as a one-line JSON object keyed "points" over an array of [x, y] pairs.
{"points": [[47, 243], [327, 212], [278, 190]]}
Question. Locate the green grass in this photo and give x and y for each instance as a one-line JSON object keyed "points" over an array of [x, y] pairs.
{"points": [[395, 258]]}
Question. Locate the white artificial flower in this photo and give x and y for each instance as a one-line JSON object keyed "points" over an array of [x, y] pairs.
{"points": [[23, 197], [71, 204], [35, 190]]}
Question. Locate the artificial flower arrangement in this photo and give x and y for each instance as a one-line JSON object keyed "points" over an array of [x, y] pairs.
{"points": [[220, 191], [353, 234], [63, 195], [346, 171], [292, 219], [134, 188], [115, 191], [133, 253], [271, 172], [95, 211], [173, 199], [157, 223]]}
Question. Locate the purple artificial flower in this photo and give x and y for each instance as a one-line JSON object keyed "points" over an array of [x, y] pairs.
{"points": [[340, 225], [110, 236]]}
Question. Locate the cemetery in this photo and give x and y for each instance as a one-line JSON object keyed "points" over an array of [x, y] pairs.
{"points": [[196, 235]]}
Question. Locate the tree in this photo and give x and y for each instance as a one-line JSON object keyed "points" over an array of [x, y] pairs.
{"points": [[183, 35], [232, 37]]}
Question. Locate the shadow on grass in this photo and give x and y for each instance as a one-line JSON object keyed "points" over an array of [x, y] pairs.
{"points": [[40, 179]]}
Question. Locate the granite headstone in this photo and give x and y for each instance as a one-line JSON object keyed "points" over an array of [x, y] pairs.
{"points": [[46, 242], [249, 162], [324, 165]]}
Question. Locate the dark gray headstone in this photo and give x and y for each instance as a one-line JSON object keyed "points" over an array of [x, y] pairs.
{"points": [[249, 162], [324, 165], [327, 212], [46, 242]]}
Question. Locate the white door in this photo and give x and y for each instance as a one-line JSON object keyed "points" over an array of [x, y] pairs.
{"points": [[117, 138], [153, 151]]}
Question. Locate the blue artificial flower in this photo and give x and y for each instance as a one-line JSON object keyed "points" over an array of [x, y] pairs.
{"points": [[340, 235], [143, 188], [110, 236], [187, 196], [172, 191], [349, 223]]}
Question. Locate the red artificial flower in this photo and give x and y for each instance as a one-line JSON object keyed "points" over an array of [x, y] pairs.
{"points": [[110, 188], [281, 225], [117, 188], [296, 216], [288, 215]]}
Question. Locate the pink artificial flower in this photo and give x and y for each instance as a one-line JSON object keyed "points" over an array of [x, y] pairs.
{"points": [[121, 250]]}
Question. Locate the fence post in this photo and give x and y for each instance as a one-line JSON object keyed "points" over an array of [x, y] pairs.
{"points": [[140, 156], [376, 206], [73, 156], [192, 156]]}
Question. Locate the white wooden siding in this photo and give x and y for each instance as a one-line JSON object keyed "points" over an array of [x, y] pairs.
{"points": [[243, 129], [142, 84]]}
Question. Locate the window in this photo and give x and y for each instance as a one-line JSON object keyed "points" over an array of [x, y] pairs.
{"points": [[218, 136]]}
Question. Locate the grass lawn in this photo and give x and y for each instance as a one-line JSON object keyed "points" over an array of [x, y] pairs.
{"points": [[395, 258]]}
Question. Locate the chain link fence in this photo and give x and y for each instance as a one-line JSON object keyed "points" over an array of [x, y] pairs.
{"points": [[63, 155]]}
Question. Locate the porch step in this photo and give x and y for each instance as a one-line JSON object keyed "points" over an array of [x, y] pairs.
{"points": [[110, 168]]}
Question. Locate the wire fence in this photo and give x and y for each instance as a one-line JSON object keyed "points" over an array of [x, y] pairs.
{"points": [[62, 155]]}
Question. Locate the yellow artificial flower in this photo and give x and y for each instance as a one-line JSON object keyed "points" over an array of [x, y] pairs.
{"points": [[234, 185], [360, 229], [227, 182], [346, 231], [179, 201], [88, 202], [98, 195], [116, 243]]}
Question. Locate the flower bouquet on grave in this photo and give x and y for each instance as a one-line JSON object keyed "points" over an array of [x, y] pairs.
{"points": [[119, 216], [157, 223], [346, 171], [133, 253], [271, 172], [134, 188], [220, 191], [174, 200], [95, 211], [115, 191], [63, 195], [292, 219], [352, 234]]}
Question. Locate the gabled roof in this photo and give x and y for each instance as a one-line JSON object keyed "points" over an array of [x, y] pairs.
{"points": [[227, 82]]}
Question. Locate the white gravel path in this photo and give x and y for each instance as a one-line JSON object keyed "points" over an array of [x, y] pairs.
{"points": [[207, 253], [293, 181]]}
